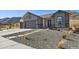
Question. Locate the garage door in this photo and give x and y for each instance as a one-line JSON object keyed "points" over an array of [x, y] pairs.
{"points": [[30, 24]]}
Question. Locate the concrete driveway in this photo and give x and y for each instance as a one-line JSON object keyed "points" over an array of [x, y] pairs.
{"points": [[9, 44]]}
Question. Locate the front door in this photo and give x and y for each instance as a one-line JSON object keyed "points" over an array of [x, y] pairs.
{"points": [[49, 23]]}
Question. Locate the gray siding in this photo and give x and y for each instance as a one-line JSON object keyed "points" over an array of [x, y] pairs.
{"points": [[52, 22], [32, 21], [40, 23]]}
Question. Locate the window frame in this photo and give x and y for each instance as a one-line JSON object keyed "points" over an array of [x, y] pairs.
{"points": [[59, 20]]}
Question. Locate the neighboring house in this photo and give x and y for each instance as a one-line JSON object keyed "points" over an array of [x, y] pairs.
{"points": [[74, 19], [59, 19], [10, 23]]}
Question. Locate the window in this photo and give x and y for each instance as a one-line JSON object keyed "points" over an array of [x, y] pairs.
{"points": [[59, 21], [59, 18]]}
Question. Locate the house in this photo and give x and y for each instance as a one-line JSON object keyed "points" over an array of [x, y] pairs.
{"points": [[59, 19], [10, 23]]}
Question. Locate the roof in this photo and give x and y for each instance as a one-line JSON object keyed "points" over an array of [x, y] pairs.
{"points": [[29, 13], [74, 15], [51, 14], [46, 15]]}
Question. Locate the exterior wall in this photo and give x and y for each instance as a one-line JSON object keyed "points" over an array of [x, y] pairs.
{"points": [[29, 21], [65, 21], [52, 22], [32, 21], [45, 23], [40, 23], [62, 15], [29, 17]]}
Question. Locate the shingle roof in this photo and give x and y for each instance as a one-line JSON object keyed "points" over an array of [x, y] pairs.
{"points": [[74, 15], [29, 13], [46, 15]]}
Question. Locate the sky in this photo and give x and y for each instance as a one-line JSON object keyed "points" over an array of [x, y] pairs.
{"points": [[20, 13]]}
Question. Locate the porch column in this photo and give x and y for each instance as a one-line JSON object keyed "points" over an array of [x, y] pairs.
{"points": [[46, 23], [43, 23]]}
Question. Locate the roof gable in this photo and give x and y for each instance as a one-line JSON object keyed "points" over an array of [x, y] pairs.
{"points": [[52, 14], [28, 14], [46, 15]]}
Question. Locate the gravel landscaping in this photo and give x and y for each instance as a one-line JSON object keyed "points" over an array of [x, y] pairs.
{"points": [[43, 39], [47, 39]]}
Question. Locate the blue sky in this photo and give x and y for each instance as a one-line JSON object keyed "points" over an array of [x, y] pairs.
{"points": [[19, 13]]}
